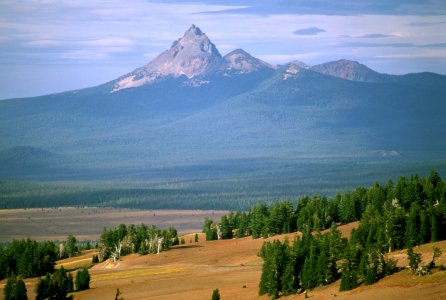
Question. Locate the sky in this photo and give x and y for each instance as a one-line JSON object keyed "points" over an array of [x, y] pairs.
{"points": [[49, 46]]}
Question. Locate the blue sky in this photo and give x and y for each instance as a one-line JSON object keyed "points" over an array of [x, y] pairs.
{"points": [[50, 46]]}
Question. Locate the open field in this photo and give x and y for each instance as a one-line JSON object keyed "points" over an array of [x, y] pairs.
{"points": [[87, 223], [193, 270]]}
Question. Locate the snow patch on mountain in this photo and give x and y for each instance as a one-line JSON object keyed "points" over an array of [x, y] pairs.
{"points": [[293, 68], [131, 82]]}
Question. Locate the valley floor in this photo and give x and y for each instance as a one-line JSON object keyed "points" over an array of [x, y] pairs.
{"points": [[87, 223]]}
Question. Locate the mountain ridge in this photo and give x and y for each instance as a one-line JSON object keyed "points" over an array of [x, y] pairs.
{"points": [[195, 57], [232, 107]]}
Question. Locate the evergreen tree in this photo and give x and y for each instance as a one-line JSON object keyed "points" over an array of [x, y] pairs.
{"points": [[95, 259], [412, 235], [8, 291], [225, 227], [434, 224], [15, 289], [425, 228], [347, 278], [258, 217], [196, 238], [242, 224], [209, 229], [69, 282], [347, 208], [215, 295], [42, 287], [309, 275], [59, 285], [20, 292], [288, 280], [82, 280], [275, 260]]}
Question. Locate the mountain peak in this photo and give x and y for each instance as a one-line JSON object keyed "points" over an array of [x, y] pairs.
{"points": [[348, 69], [193, 30], [240, 61], [192, 55]]}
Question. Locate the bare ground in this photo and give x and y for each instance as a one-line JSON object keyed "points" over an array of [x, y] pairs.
{"points": [[87, 223]]}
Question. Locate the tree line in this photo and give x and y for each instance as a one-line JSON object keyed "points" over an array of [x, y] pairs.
{"points": [[411, 202], [27, 258], [392, 216], [142, 239]]}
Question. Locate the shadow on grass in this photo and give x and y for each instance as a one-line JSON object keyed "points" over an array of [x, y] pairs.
{"points": [[186, 246]]}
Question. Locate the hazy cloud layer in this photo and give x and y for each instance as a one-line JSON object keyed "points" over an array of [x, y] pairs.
{"points": [[375, 36], [60, 45], [334, 7], [309, 31]]}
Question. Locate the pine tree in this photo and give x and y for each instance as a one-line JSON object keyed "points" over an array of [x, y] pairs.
{"points": [[42, 287], [226, 229], [275, 257], [15, 289], [8, 291], [425, 228], [95, 259], [196, 237], [434, 224], [346, 278], [20, 290], [70, 283], [412, 235], [82, 280], [215, 295], [58, 286], [309, 275], [289, 278]]}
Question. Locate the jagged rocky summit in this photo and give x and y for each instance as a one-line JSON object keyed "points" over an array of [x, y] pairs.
{"points": [[192, 56]]}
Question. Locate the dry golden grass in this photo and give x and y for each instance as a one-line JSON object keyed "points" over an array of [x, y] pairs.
{"points": [[193, 270], [82, 261]]}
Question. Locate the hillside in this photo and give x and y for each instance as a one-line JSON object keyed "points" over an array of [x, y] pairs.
{"points": [[194, 270]]}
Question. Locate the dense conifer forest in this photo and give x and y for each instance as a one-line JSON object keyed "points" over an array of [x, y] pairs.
{"points": [[391, 216]]}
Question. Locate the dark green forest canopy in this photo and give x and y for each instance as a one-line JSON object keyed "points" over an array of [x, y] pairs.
{"points": [[414, 198], [391, 216], [231, 185]]}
